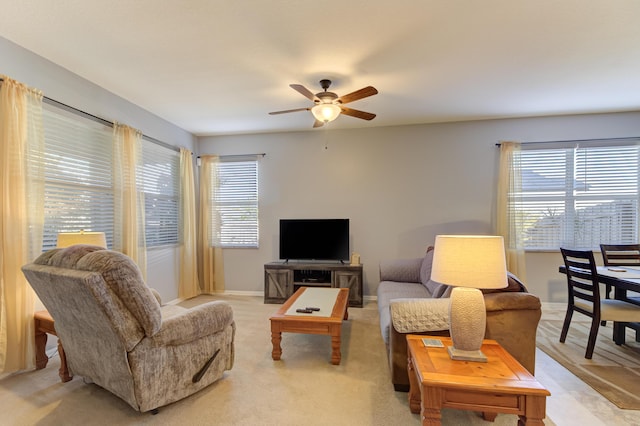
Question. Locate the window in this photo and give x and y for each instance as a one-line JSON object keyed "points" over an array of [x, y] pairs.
{"points": [[78, 180], [79, 183], [577, 196], [235, 206], [160, 178]]}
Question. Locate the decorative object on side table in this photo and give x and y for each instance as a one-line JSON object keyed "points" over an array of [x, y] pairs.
{"points": [[468, 262]]}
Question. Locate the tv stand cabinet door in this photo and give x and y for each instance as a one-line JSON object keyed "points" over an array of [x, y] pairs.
{"points": [[278, 285], [352, 280]]}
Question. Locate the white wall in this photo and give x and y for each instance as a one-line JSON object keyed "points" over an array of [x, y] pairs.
{"points": [[63, 86], [399, 186]]}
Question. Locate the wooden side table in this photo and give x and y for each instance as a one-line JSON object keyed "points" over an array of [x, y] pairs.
{"points": [[501, 385], [44, 324]]}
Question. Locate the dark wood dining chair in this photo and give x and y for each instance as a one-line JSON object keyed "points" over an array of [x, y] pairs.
{"points": [[584, 297], [619, 255]]}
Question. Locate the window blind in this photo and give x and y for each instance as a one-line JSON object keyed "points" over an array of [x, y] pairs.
{"points": [[577, 197], [160, 177], [235, 207], [79, 185], [78, 181]]}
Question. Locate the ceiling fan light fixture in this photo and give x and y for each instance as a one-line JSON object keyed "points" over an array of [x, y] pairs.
{"points": [[326, 112]]}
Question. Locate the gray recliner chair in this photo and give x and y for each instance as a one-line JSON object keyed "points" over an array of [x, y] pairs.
{"points": [[117, 335]]}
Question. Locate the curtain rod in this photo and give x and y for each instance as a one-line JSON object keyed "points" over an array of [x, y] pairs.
{"points": [[100, 120], [630, 138], [103, 121], [262, 154]]}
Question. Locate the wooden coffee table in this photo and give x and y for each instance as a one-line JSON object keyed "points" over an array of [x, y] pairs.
{"points": [[501, 385], [314, 323]]}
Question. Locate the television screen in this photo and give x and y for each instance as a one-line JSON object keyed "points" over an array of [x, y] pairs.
{"points": [[314, 239]]}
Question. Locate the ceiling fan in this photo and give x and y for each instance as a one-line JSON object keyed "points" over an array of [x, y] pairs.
{"points": [[328, 106]]}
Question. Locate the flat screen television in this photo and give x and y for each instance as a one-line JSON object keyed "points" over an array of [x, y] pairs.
{"points": [[314, 239]]}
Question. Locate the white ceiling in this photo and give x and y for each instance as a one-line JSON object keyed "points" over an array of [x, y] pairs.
{"points": [[219, 66]]}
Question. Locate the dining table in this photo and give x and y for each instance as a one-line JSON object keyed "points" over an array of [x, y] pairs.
{"points": [[623, 279]]}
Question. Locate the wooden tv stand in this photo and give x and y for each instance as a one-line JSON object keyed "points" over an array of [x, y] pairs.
{"points": [[282, 279]]}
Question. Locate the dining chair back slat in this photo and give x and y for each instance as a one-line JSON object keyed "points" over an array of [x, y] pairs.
{"points": [[620, 254], [582, 280]]}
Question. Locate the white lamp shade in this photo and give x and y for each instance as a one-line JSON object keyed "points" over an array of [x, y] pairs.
{"points": [[476, 261], [326, 112], [66, 239]]}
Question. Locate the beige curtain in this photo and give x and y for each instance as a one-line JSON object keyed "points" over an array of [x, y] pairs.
{"points": [[128, 235], [189, 286], [510, 182], [211, 271], [22, 217]]}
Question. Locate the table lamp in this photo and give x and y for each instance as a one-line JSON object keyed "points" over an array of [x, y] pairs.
{"points": [[66, 239], [468, 262]]}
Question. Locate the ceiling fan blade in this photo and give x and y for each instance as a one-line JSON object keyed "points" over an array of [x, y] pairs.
{"points": [[358, 94], [304, 92], [289, 110], [358, 114], [318, 123]]}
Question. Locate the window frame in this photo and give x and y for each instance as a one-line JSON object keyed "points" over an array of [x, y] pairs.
{"points": [[72, 133], [592, 189], [167, 233], [73, 144], [228, 229]]}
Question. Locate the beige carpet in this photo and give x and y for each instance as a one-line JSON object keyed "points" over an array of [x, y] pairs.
{"points": [[304, 388], [614, 371]]}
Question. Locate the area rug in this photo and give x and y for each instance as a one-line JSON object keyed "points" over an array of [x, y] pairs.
{"points": [[614, 371]]}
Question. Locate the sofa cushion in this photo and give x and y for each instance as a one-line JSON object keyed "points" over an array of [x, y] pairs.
{"points": [[425, 273], [425, 268], [403, 270], [513, 285]]}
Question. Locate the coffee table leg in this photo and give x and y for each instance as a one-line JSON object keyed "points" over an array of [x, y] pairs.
{"points": [[335, 344], [276, 338]]}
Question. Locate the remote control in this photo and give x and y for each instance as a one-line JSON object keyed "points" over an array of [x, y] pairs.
{"points": [[312, 309], [304, 311]]}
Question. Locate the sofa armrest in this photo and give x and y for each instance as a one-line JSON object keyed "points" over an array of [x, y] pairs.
{"points": [[419, 315], [194, 323], [401, 270]]}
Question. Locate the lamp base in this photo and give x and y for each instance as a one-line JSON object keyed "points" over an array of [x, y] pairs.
{"points": [[462, 355], [467, 320]]}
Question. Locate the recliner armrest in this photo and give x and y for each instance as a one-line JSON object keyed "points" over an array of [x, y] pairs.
{"points": [[194, 323], [419, 315]]}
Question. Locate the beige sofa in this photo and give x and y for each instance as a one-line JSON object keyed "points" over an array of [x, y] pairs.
{"points": [[116, 334], [410, 303]]}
